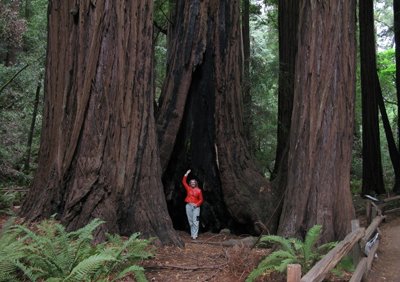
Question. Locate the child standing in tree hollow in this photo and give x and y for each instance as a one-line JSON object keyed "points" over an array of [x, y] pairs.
{"points": [[194, 199]]}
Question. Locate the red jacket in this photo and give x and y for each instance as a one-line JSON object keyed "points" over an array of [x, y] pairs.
{"points": [[193, 195]]}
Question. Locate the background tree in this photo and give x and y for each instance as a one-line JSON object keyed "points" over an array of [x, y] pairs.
{"points": [[98, 155], [396, 14], [372, 164], [288, 17], [200, 120], [318, 183], [18, 85]]}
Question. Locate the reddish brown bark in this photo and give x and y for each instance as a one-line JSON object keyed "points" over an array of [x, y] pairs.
{"points": [[200, 123], [98, 155], [318, 182]]}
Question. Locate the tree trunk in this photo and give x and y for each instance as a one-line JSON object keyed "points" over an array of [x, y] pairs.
{"points": [[246, 86], [32, 128], [200, 121], [98, 155], [393, 151], [321, 134], [288, 17], [372, 164], [396, 13]]}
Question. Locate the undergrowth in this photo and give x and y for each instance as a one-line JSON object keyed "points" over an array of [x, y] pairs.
{"points": [[50, 253], [291, 251]]}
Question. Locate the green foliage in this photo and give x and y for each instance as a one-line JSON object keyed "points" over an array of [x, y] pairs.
{"points": [[345, 265], [12, 26], [7, 200], [291, 251], [49, 253], [16, 99], [264, 69]]}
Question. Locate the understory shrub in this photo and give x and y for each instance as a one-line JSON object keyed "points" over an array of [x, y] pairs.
{"points": [[292, 251], [48, 252]]}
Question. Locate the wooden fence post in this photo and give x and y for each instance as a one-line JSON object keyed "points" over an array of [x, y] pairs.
{"points": [[356, 251], [293, 273]]}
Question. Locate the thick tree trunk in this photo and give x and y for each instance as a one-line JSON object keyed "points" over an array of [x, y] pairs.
{"points": [[321, 134], [288, 17], [371, 151], [98, 156], [200, 122]]}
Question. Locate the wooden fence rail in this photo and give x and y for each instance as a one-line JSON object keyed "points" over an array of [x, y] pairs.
{"points": [[354, 242]]}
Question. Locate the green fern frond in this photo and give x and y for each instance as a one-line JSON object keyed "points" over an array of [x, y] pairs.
{"points": [[138, 271], [86, 232], [88, 267], [27, 271], [284, 263], [310, 240], [325, 248], [283, 242]]}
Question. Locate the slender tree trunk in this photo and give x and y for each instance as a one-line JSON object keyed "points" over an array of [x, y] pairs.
{"points": [[32, 129], [98, 155], [288, 17], [372, 163], [393, 151], [200, 122], [321, 134], [396, 13], [28, 9]]}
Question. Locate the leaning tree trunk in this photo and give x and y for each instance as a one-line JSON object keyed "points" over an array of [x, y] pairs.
{"points": [[393, 151], [27, 160], [200, 120], [98, 156], [318, 183]]}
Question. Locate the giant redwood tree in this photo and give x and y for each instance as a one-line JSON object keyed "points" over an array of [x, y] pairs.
{"points": [[319, 156], [98, 155], [200, 120]]}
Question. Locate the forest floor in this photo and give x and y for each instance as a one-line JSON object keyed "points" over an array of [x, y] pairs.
{"points": [[210, 259], [227, 257]]}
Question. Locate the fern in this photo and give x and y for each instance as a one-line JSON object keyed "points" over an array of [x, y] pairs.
{"points": [[292, 251], [310, 241], [50, 253], [88, 267], [136, 270], [283, 242]]}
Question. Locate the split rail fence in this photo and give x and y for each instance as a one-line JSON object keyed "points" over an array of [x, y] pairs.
{"points": [[355, 243]]}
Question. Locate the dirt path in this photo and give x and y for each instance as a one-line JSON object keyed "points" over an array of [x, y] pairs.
{"points": [[387, 266], [205, 259]]}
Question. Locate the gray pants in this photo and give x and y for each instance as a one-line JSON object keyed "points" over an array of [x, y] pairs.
{"points": [[193, 215]]}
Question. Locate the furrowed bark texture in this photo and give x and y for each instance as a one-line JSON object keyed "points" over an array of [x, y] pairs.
{"points": [[99, 156], [200, 122], [318, 184]]}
